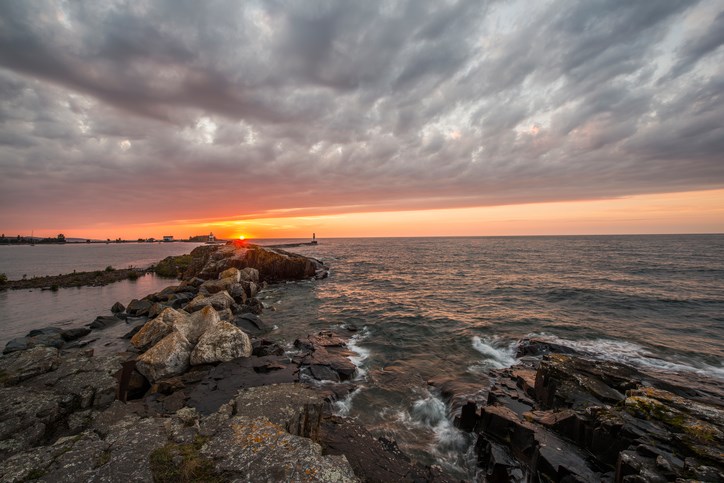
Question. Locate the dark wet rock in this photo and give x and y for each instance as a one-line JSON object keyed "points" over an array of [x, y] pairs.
{"points": [[179, 300], [156, 309], [69, 335], [323, 373], [129, 335], [263, 347], [328, 350], [138, 307], [498, 464], [104, 321], [251, 324], [118, 308], [224, 380], [334, 358], [47, 331], [371, 459], [590, 420], [539, 347], [253, 306], [47, 337], [17, 344], [468, 417]]}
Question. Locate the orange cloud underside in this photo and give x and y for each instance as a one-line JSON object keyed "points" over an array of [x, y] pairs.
{"points": [[689, 212]]}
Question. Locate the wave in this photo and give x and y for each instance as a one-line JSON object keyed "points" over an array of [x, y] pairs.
{"points": [[342, 407], [361, 353], [498, 353], [450, 446], [632, 354]]}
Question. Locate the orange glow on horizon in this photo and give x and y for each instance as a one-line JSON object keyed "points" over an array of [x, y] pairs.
{"points": [[687, 212]]}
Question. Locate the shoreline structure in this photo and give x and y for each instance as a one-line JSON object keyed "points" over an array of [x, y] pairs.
{"points": [[201, 395]]}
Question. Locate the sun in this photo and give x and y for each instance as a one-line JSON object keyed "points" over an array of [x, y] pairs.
{"points": [[241, 237]]}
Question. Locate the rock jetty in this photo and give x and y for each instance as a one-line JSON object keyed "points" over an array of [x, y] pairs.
{"points": [[197, 396]]}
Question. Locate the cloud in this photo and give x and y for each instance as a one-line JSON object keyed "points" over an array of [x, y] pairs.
{"points": [[150, 111]]}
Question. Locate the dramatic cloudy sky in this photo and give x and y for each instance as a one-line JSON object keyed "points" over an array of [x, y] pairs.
{"points": [[172, 113]]}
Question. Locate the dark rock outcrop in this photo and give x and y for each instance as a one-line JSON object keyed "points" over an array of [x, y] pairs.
{"points": [[574, 418], [272, 265]]}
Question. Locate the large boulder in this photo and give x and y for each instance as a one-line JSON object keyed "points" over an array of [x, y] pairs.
{"points": [[220, 343], [232, 272], [156, 329], [214, 286], [170, 357], [219, 301], [138, 307], [249, 275], [194, 325], [118, 308]]}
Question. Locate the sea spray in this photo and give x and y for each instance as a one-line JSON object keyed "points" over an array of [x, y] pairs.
{"points": [[361, 353], [450, 446], [498, 353], [633, 354]]}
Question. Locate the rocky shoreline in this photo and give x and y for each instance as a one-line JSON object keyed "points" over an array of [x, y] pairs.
{"points": [[96, 278], [559, 415], [201, 395], [198, 396]]}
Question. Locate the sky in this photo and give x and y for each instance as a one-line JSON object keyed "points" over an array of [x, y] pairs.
{"points": [[391, 118]]}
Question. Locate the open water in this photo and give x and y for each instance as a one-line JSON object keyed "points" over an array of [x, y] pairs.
{"points": [[447, 310]]}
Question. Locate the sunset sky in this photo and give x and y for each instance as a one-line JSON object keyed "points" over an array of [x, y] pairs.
{"points": [[410, 118]]}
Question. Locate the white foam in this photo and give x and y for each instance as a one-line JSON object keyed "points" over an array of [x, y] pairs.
{"points": [[431, 413], [342, 407], [361, 353], [632, 354], [498, 353]]}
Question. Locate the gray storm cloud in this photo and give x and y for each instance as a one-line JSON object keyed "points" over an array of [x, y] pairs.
{"points": [[151, 111]]}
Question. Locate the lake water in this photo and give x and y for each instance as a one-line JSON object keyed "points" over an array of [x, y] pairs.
{"points": [[432, 310], [38, 260]]}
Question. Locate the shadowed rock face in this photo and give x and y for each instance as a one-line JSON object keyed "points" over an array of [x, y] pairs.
{"points": [[570, 417]]}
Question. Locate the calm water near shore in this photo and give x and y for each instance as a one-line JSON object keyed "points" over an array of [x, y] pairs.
{"points": [[434, 310], [38, 260]]}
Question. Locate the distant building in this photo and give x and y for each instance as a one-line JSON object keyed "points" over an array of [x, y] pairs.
{"points": [[150, 240], [168, 238], [212, 238]]}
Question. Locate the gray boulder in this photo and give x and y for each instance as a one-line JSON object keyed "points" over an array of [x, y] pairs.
{"points": [[220, 343], [118, 308], [219, 301], [169, 357]]}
